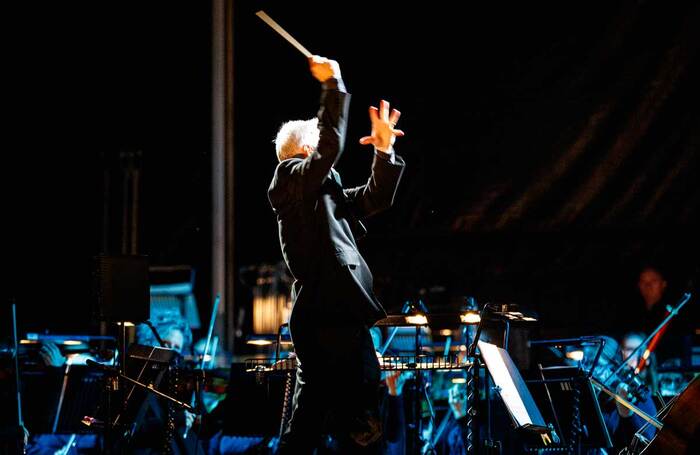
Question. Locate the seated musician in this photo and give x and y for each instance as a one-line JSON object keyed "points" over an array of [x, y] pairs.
{"points": [[44, 399], [622, 423], [158, 421], [392, 404], [393, 413], [656, 296], [452, 441], [52, 356]]}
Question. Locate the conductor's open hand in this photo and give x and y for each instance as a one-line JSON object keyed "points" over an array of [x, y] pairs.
{"points": [[383, 133], [323, 68]]}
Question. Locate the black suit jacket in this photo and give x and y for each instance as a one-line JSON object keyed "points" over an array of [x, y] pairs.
{"points": [[318, 220]]}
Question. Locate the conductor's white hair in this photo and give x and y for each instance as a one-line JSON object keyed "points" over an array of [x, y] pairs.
{"points": [[295, 134]]}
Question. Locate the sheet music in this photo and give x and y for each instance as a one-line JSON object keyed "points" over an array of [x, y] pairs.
{"points": [[513, 390]]}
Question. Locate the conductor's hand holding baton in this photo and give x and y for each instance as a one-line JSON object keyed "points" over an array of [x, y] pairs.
{"points": [[323, 69]]}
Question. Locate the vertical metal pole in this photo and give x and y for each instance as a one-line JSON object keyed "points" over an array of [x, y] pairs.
{"points": [[126, 187], [106, 214], [134, 204], [229, 160], [18, 384], [222, 167], [122, 335], [417, 385]]}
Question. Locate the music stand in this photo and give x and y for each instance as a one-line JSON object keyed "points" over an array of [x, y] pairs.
{"points": [[512, 389], [148, 365], [566, 395]]}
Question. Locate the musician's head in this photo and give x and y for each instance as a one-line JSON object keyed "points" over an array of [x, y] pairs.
{"points": [[652, 285], [174, 331], [672, 383], [630, 342], [175, 340], [297, 137]]}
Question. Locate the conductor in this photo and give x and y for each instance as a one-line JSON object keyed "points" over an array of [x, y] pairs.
{"points": [[338, 373]]}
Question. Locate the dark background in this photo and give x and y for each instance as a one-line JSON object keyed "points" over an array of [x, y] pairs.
{"points": [[551, 148]]}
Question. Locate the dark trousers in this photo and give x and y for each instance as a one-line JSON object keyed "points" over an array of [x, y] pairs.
{"points": [[337, 386]]}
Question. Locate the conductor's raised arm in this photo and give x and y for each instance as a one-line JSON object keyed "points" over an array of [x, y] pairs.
{"points": [[378, 193]]}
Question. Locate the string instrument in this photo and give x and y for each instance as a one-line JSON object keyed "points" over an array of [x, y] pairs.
{"points": [[213, 385], [198, 395], [14, 435], [608, 370], [635, 391], [680, 433]]}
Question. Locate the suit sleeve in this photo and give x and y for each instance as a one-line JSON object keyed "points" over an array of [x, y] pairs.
{"points": [[332, 122], [379, 191]]}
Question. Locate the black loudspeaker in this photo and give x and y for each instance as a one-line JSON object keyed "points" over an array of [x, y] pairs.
{"points": [[122, 289]]}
